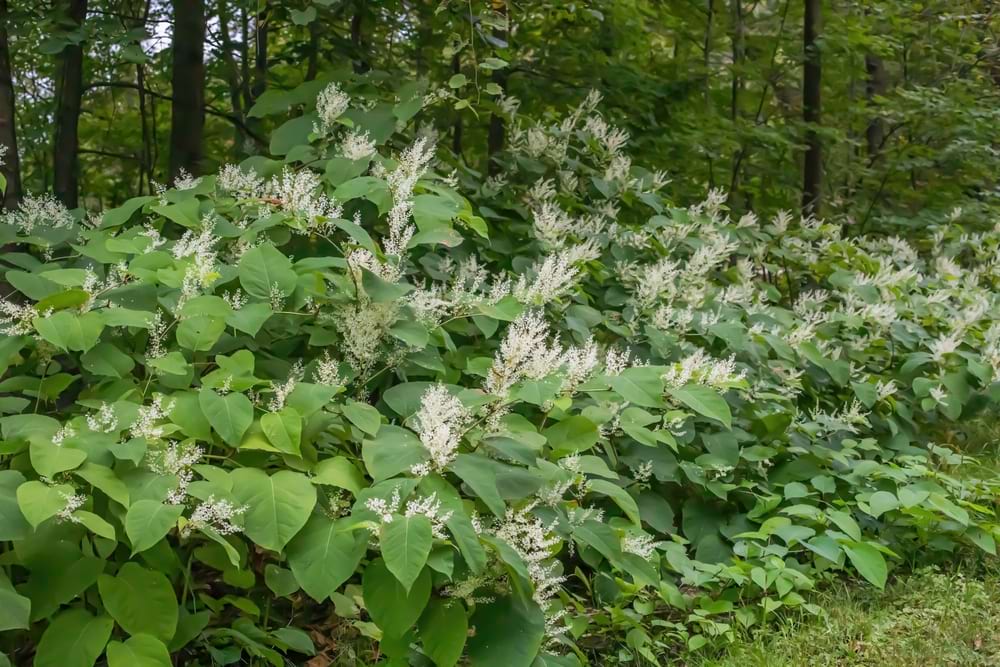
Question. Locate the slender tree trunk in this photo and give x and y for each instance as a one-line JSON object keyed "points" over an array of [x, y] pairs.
{"points": [[875, 85], [707, 63], [260, 54], [312, 68], [187, 110], [456, 133], [497, 134], [361, 64], [739, 50], [11, 168], [812, 168], [146, 156], [69, 92], [232, 74], [245, 58]]}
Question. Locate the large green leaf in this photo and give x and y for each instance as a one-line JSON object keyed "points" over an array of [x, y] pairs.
{"points": [[338, 471], [705, 401], [105, 479], [391, 607], [12, 523], [39, 501], [138, 651], [324, 555], [73, 639], [230, 415], [406, 543], [278, 505], [392, 451], [868, 561], [69, 331], [15, 609], [263, 269], [508, 633], [444, 628], [284, 430], [148, 521], [575, 434], [140, 601]]}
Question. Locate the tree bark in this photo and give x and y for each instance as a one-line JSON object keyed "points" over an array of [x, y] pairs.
{"points": [[739, 50], [875, 85], [456, 131], [69, 92], [260, 54], [187, 109], [361, 64], [812, 167], [232, 74], [11, 168], [497, 134], [312, 67]]}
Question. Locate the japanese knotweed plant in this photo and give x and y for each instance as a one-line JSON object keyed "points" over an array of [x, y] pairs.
{"points": [[347, 403]]}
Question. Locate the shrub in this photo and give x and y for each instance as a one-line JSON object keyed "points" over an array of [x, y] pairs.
{"points": [[568, 419]]}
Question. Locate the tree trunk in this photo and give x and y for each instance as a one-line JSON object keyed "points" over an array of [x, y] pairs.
{"points": [[232, 75], [361, 64], [739, 50], [496, 137], [11, 168], [312, 68], [456, 135], [812, 168], [707, 63], [69, 92], [187, 110], [875, 85], [260, 54]]}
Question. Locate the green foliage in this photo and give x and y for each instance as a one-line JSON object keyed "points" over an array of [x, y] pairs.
{"points": [[544, 419]]}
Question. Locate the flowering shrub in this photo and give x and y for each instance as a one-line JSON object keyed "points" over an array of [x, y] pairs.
{"points": [[327, 397]]}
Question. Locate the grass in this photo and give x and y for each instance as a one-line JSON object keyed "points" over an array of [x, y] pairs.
{"points": [[930, 618]]}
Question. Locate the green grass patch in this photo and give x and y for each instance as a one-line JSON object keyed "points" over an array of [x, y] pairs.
{"points": [[930, 618]]}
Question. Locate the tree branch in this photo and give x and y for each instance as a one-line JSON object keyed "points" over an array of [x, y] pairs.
{"points": [[208, 109]]}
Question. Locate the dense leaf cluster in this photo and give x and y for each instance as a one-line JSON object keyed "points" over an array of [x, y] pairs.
{"points": [[356, 406]]}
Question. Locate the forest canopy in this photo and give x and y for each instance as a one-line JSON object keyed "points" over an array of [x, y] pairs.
{"points": [[499, 334]]}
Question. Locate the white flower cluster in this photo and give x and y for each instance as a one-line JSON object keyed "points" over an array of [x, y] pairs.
{"points": [[146, 424], [642, 546], [200, 248], [554, 277], [241, 184], [218, 515], [410, 167], [300, 193], [330, 105], [175, 459], [74, 501], [440, 423], [469, 287], [357, 145], [281, 391], [524, 353], [39, 211], [848, 419], [105, 421], [699, 368], [534, 541], [427, 506], [327, 371], [185, 181], [16, 318]]}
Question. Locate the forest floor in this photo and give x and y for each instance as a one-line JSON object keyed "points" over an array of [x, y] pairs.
{"points": [[930, 618]]}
